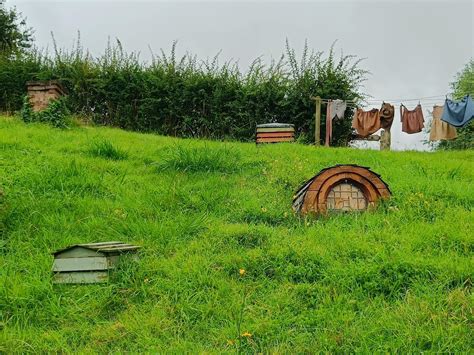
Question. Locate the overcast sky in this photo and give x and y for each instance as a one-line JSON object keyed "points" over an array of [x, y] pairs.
{"points": [[413, 48]]}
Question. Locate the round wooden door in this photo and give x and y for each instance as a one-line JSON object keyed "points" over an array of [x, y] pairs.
{"points": [[346, 197]]}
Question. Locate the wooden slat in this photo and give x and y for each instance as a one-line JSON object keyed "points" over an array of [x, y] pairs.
{"points": [[283, 129], [81, 264], [372, 138], [275, 134], [274, 140], [81, 277], [77, 252]]}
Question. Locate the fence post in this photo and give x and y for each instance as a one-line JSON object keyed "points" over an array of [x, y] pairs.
{"points": [[385, 139], [317, 123]]}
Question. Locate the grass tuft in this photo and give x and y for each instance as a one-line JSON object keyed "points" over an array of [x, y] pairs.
{"points": [[199, 159], [105, 149]]}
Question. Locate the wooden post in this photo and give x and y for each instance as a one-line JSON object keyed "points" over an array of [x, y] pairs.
{"points": [[385, 139], [317, 123]]}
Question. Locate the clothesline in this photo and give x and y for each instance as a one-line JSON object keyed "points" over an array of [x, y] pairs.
{"points": [[425, 105], [366, 122], [392, 100]]}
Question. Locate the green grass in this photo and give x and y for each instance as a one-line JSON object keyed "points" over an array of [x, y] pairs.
{"points": [[105, 149], [399, 278]]}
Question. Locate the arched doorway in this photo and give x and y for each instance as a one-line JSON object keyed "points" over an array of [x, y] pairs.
{"points": [[341, 188]]}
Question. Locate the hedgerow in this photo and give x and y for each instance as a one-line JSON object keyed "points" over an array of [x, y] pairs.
{"points": [[187, 97]]}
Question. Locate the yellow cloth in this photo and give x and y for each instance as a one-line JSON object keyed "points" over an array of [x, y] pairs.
{"points": [[440, 129]]}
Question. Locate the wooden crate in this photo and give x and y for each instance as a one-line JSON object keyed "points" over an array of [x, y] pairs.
{"points": [[88, 263], [275, 133]]}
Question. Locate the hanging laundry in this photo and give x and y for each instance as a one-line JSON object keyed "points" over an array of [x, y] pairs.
{"points": [[366, 122], [458, 113], [328, 124], [387, 112], [412, 120], [439, 129], [335, 109]]}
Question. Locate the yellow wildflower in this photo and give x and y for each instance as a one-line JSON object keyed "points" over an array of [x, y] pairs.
{"points": [[242, 272], [246, 334]]}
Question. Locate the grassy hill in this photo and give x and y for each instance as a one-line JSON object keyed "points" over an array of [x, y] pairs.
{"points": [[397, 278]]}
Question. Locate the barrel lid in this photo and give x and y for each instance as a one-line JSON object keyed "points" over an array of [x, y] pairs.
{"points": [[275, 125]]}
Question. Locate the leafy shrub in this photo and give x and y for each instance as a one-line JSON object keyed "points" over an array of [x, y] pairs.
{"points": [[27, 113], [206, 159], [105, 149], [56, 114]]}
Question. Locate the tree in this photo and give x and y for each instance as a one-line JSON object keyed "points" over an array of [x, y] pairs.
{"points": [[14, 33], [462, 86]]}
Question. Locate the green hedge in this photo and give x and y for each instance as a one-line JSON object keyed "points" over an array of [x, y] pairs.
{"points": [[187, 97]]}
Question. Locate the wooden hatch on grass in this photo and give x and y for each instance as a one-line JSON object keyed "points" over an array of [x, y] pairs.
{"points": [[88, 263], [275, 133], [341, 188]]}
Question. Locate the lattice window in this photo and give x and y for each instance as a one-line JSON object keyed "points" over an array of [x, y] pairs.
{"points": [[346, 197]]}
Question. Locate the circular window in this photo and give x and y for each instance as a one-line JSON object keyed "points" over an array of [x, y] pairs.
{"points": [[346, 197]]}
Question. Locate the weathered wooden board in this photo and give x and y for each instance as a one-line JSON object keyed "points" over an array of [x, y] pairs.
{"points": [[275, 134], [372, 138], [276, 129], [80, 277], [81, 264], [275, 140], [78, 252]]}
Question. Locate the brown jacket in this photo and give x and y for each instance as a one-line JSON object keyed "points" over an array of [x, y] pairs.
{"points": [[366, 122], [387, 112], [412, 121]]}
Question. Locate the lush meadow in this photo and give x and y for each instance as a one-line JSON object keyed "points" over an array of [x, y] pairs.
{"points": [[225, 265]]}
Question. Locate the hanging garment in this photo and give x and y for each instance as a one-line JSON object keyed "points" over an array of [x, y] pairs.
{"points": [[337, 108], [328, 124], [387, 112], [458, 113], [439, 129], [366, 122], [412, 120]]}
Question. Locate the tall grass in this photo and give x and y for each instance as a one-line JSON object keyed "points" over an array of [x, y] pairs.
{"points": [[105, 149], [187, 97], [189, 159]]}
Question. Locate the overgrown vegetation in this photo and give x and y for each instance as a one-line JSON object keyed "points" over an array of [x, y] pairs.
{"points": [[187, 97], [55, 114], [225, 266]]}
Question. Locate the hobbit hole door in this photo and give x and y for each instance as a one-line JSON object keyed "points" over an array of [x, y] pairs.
{"points": [[346, 197]]}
